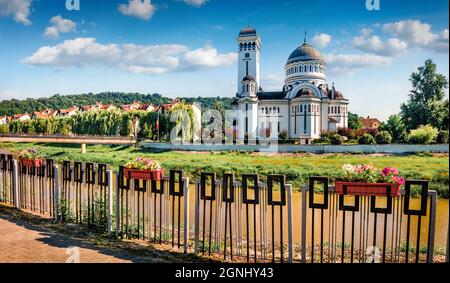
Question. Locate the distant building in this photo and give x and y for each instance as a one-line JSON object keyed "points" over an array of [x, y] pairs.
{"points": [[370, 123], [4, 120], [147, 107], [20, 117], [165, 108], [68, 112], [44, 114], [305, 106]]}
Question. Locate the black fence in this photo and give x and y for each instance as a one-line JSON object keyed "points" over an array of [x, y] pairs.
{"points": [[244, 220]]}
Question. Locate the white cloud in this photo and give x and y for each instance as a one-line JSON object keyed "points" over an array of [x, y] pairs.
{"points": [[59, 25], [272, 82], [375, 45], [142, 9], [322, 40], [418, 34], [196, 3], [141, 59], [340, 64], [20, 9]]}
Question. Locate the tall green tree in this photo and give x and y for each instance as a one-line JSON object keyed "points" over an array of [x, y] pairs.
{"points": [[354, 122], [395, 126], [427, 104]]}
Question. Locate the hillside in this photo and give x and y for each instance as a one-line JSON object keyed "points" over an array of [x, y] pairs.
{"points": [[15, 106]]}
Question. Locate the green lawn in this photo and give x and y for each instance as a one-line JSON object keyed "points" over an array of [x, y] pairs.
{"points": [[297, 167]]}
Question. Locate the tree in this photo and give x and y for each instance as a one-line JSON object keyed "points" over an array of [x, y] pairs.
{"points": [[395, 127], [423, 135], [354, 122], [426, 104]]}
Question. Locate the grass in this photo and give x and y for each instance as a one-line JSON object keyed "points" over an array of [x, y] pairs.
{"points": [[297, 167]]}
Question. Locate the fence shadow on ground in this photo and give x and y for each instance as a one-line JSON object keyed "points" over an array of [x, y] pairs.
{"points": [[65, 235]]}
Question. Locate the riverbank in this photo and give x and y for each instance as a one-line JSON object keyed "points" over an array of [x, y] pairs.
{"points": [[296, 166]]}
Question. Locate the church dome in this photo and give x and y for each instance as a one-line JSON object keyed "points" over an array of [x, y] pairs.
{"points": [[305, 52], [305, 92], [247, 32], [248, 78]]}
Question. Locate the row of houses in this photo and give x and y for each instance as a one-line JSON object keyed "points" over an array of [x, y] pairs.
{"points": [[135, 106]]}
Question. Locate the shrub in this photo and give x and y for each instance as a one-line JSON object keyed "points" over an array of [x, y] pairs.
{"points": [[336, 139], [423, 135], [442, 137], [345, 132], [322, 141], [360, 132], [283, 136], [366, 139], [383, 137]]}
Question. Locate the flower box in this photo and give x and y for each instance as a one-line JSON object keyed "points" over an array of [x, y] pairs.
{"points": [[156, 175], [366, 189], [31, 162]]}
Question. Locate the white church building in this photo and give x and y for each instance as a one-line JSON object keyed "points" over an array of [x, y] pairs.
{"points": [[304, 107]]}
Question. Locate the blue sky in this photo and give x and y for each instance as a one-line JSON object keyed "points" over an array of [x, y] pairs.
{"points": [[187, 47]]}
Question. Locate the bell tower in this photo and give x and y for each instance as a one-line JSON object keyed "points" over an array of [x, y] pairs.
{"points": [[249, 46]]}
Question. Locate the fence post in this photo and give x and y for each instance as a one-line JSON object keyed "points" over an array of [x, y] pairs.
{"points": [[196, 224], [290, 235], [303, 189], [15, 183], [118, 205], [109, 175], [432, 226], [186, 214], [56, 196]]}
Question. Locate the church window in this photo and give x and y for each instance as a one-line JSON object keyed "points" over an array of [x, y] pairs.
{"points": [[247, 55], [267, 111], [301, 108], [296, 69], [240, 47], [309, 108], [310, 68], [278, 110], [279, 127], [254, 46], [339, 110]]}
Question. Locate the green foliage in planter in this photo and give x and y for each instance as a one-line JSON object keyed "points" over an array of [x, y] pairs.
{"points": [[423, 135], [366, 139], [383, 137]]}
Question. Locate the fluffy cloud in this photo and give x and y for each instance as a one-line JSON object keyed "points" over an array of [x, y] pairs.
{"points": [[141, 59], [142, 9], [19, 9], [59, 25], [419, 34], [339, 64], [196, 3], [272, 82], [322, 40], [374, 44]]}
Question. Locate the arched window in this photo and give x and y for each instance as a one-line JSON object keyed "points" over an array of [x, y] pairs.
{"points": [[240, 47], [309, 108], [339, 110], [301, 108], [267, 111], [254, 46], [278, 110], [310, 68]]}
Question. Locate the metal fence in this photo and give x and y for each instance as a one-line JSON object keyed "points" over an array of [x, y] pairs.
{"points": [[242, 220], [367, 228]]}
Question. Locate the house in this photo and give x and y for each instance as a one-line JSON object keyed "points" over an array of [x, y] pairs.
{"points": [[68, 112], [370, 123], [136, 105], [148, 107], [20, 117], [43, 114], [163, 109], [4, 120]]}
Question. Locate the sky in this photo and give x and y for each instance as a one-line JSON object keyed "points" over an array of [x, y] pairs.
{"points": [[187, 48]]}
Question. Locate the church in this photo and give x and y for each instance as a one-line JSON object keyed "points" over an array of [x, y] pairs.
{"points": [[305, 106]]}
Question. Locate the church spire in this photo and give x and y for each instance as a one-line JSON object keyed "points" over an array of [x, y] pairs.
{"points": [[306, 37]]}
